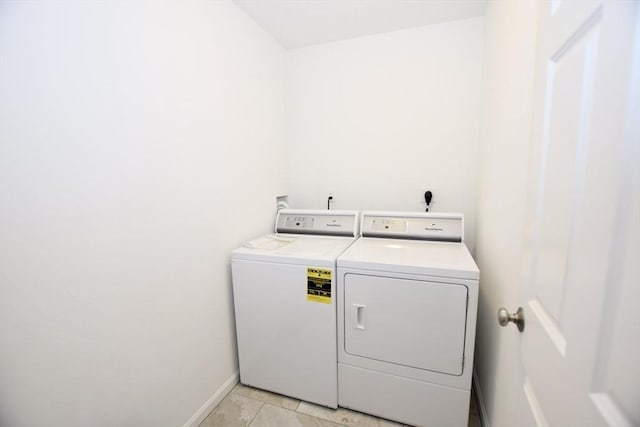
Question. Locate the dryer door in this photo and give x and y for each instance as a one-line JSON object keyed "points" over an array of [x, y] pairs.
{"points": [[413, 323]]}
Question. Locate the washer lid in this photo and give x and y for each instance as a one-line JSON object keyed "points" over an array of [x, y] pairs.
{"points": [[294, 249], [444, 259]]}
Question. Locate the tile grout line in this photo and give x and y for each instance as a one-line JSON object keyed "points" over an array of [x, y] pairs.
{"points": [[257, 412], [262, 403], [308, 415]]}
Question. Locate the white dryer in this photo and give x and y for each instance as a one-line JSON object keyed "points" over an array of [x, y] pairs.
{"points": [[407, 302], [285, 304]]}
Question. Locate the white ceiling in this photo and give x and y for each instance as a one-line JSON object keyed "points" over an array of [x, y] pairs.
{"points": [[298, 23]]}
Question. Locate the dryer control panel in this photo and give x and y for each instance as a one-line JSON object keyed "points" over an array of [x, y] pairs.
{"points": [[318, 222], [443, 227]]}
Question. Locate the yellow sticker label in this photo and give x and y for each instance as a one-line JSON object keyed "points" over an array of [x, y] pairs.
{"points": [[319, 285]]}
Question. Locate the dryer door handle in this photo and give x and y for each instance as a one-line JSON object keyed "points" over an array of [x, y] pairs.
{"points": [[359, 316]]}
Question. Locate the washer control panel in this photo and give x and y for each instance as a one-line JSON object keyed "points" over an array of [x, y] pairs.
{"points": [[329, 223], [298, 222]]}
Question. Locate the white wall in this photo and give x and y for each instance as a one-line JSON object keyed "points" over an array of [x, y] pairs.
{"points": [[139, 143], [506, 123], [377, 120]]}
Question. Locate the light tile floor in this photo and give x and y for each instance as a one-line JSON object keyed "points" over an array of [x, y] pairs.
{"points": [[246, 406]]}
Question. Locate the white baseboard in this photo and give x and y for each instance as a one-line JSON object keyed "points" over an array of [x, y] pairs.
{"points": [[484, 418], [213, 401]]}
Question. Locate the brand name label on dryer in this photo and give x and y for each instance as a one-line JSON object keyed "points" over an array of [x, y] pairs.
{"points": [[319, 285]]}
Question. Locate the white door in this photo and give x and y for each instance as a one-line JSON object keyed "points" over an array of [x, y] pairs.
{"points": [[580, 347]]}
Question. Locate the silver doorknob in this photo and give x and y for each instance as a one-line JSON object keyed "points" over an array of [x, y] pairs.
{"points": [[518, 318]]}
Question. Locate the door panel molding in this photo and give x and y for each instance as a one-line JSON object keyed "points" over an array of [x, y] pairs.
{"points": [[549, 325], [534, 404]]}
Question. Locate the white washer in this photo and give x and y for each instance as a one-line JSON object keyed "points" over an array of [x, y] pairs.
{"points": [[407, 303], [285, 304]]}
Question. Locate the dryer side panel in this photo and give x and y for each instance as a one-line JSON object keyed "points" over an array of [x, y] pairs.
{"points": [[413, 323]]}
